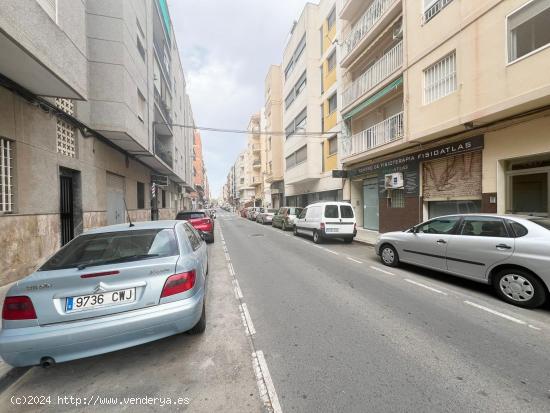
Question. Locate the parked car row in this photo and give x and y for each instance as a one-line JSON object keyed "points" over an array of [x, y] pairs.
{"points": [[509, 252]]}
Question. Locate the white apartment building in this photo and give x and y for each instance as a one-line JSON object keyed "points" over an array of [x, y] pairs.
{"points": [[307, 87]]}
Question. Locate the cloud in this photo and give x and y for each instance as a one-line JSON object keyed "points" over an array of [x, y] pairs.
{"points": [[227, 48]]}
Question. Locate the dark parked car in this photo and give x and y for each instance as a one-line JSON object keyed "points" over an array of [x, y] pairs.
{"points": [[285, 217], [201, 222]]}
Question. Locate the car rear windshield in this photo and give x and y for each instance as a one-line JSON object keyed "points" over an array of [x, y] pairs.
{"points": [[113, 247], [543, 222], [331, 211], [191, 215], [346, 211]]}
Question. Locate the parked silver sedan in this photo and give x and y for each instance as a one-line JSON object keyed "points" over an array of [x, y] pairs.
{"points": [[108, 289], [266, 216], [510, 252]]}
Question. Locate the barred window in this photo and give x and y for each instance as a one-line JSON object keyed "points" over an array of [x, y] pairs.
{"points": [[440, 79], [6, 175], [66, 133], [397, 198]]}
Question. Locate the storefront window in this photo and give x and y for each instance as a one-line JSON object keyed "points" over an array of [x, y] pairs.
{"points": [[530, 193]]}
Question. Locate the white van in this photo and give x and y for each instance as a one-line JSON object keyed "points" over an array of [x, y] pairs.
{"points": [[327, 220]]}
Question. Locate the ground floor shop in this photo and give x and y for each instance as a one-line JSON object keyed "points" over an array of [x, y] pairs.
{"points": [[506, 170]]}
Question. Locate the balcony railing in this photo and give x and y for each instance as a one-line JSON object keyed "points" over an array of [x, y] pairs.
{"points": [[374, 75], [257, 163], [162, 106], [365, 24], [256, 147], [435, 9], [389, 130]]}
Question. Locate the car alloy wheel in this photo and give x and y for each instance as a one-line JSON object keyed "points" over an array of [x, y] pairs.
{"points": [[516, 287], [316, 237]]}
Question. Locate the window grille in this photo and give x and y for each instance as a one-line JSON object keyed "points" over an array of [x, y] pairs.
{"points": [[6, 175], [440, 79], [66, 133]]}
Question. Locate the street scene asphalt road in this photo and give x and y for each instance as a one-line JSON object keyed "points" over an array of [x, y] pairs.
{"points": [[342, 333], [213, 371]]}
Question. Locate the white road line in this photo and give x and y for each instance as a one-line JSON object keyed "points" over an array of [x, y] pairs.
{"points": [[227, 257], [381, 270], [534, 328], [238, 292], [425, 286], [354, 260], [231, 269], [331, 251], [266, 378], [248, 321], [489, 310]]}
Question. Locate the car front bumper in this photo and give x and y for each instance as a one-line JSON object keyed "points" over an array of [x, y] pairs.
{"points": [[69, 341]]}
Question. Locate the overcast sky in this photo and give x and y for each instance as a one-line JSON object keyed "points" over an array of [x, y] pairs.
{"points": [[227, 47]]}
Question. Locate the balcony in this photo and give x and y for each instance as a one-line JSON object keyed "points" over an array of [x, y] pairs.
{"points": [[376, 13], [257, 164], [256, 147], [256, 181], [434, 9], [349, 8], [389, 130], [381, 70], [163, 149], [162, 107]]}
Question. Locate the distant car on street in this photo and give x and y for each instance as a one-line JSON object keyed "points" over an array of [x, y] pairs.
{"points": [[324, 220], [201, 221], [244, 212], [108, 289], [253, 213], [510, 252], [284, 218], [266, 216]]}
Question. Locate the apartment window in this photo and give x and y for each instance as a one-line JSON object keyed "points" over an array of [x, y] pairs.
{"points": [[296, 90], [440, 79], [397, 198], [295, 56], [66, 133], [298, 124], [331, 19], [296, 158], [333, 145], [141, 105], [50, 7], [332, 103], [6, 175], [528, 29], [140, 48], [331, 61], [141, 195]]}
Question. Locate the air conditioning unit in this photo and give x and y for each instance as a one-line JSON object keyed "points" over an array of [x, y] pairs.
{"points": [[393, 181]]}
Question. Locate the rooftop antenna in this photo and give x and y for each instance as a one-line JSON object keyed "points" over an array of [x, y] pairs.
{"points": [[128, 213]]}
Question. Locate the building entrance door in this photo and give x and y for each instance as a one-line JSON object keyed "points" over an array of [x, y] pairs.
{"points": [[371, 204], [115, 199]]}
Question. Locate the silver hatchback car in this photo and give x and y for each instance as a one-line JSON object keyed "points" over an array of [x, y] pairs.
{"points": [[509, 252], [108, 289]]}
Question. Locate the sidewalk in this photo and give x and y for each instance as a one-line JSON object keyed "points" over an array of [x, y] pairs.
{"points": [[366, 236]]}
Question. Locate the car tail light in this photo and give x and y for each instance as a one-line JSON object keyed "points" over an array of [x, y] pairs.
{"points": [[178, 283], [18, 308], [322, 225]]}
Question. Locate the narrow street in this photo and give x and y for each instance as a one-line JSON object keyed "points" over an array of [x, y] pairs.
{"points": [[340, 332]]}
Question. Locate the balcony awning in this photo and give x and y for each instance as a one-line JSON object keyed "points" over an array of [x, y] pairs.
{"points": [[374, 98]]}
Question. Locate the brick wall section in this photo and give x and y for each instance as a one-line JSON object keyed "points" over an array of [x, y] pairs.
{"points": [[486, 206], [397, 219]]}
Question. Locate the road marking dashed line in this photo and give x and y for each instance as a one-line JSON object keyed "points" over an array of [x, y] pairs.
{"points": [[248, 320], [489, 310], [435, 290], [265, 383], [238, 292], [331, 251], [354, 260], [231, 269], [381, 270], [534, 328]]}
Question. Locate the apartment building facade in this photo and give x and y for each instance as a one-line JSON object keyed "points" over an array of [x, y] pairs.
{"points": [[199, 173], [273, 118], [88, 93], [445, 112], [308, 86]]}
